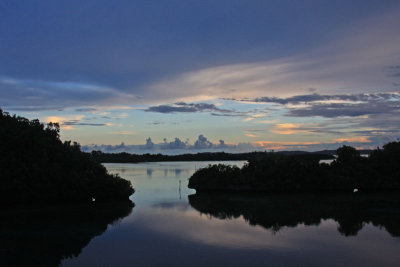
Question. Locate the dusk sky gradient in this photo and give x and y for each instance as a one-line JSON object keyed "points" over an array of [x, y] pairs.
{"points": [[199, 76]]}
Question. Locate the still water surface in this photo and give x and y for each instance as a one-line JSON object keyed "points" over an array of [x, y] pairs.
{"points": [[170, 225]]}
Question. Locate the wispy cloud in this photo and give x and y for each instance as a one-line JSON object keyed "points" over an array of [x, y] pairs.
{"points": [[123, 133], [287, 128], [69, 121], [342, 65], [36, 95], [85, 109], [358, 139], [330, 106]]}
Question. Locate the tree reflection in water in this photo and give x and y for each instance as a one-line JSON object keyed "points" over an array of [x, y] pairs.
{"points": [[44, 236], [273, 212]]}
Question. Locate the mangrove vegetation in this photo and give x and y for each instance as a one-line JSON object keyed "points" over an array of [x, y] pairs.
{"points": [[36, 166], [302, 173]]}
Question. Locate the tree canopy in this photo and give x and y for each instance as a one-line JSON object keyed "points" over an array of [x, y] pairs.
{"points": [[300, 173], [36, 166]]}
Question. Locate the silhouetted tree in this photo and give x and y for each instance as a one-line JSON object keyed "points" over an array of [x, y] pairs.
{"points": [[36, 166], [347, 155], [303, 173]]}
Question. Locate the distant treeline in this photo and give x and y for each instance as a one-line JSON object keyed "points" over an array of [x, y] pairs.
{"points": [[302, 173], [124, 157], [36, 166]]}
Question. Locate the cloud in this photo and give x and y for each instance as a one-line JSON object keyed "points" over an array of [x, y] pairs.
{"points": [[85, 109], [67, 122], [359, 139], [235, 114], [37, 95], [287, 128], [177, 146], [124, 133], [343, 64], [267, 121], [333, 98], [184, 107], [224, 64], [156, 123], [331, 106], [360, 142], [76, 122], [202, 144], [394, 71]]}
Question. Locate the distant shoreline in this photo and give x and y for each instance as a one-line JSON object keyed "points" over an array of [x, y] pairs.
{"points": [[124, 157]]}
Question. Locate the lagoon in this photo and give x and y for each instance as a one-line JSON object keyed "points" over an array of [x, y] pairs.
{"points": [[172, 225]]}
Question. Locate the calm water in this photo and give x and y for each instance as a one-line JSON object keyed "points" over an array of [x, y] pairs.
{"points": [[171, 225]]}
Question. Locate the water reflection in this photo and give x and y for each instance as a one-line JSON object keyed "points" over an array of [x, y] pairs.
{"points": [[160, 181], [45, 236], [237, 230], [273, 212]]}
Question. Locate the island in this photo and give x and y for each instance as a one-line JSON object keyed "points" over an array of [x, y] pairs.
{"points": [[277, 173], [37, 167]]}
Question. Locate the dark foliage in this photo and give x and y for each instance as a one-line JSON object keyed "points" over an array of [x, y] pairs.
{"points": [[124, 157], [274, 212], [303, 173], [36, 166], [46, 235]]}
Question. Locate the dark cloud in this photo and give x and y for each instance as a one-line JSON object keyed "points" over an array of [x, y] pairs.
{"points": [[341, 110], [78, 122], [394, 71], [156, 123], [182, 107], [170, 109], [317, 97], [235, 114], [351, 105], [85, 109]]}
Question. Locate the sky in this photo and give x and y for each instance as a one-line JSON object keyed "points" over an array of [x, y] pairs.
{"points": [[192, 76]]}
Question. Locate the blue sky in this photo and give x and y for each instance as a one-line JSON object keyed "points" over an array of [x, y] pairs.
{"points": [[205, 75]]}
